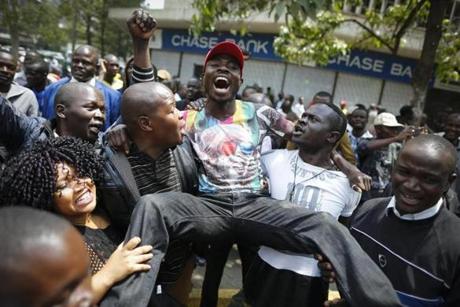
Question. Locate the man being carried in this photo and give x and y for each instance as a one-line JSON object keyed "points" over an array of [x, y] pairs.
{"points": [[226, 136]]}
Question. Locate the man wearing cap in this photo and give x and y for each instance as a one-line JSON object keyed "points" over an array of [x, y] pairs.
{"points": [[226, 137], [378, 155]]}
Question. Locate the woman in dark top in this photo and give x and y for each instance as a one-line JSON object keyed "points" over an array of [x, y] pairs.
{"points": [[59, 175]]}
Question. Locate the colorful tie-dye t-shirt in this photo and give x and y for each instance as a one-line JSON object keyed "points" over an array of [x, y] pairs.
{"points": [[229, 149]]}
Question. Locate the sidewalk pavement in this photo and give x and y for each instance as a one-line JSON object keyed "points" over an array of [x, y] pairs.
{"points": [[231, 283]]}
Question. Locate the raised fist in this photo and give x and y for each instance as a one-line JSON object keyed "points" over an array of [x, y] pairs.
{"points": [[141, 25]]}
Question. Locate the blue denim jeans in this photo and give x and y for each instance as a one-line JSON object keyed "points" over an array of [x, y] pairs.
{"points": [[254, 220]]}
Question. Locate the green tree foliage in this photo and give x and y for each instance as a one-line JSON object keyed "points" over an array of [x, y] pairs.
{"points": [[52, 24], [309, 31], [36, 21]]}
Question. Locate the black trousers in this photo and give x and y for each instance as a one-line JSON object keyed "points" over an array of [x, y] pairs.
{"points": [[254, 220]]}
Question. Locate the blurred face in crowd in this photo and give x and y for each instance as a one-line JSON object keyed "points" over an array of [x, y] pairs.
{"points": [[84, 64], [358, 119], [420, 177], [452, 130], [84, 117], [36, 74], [111, 65], [222, 78], [7, 69], [193, 89], [384, 132]]}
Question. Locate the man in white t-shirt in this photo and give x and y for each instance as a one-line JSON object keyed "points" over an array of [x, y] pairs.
{"points": [[308, 178]]}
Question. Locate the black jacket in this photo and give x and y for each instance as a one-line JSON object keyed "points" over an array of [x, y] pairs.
{"points": [[119, 191]]}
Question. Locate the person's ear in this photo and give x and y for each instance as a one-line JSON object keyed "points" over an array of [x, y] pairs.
{"points": [[60, 111], [451, 179], [144, 123], [333, 137]]}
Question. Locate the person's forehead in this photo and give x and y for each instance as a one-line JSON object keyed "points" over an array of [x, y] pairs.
{"points": [[84, 53], [359, 112], [7, 58], [319, 109], [223, 56], [64, 169], [427, 160], [63, 266]]}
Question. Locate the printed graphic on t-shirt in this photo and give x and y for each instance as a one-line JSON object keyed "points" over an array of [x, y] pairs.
{"points": [[230, 149], [230, 153]]}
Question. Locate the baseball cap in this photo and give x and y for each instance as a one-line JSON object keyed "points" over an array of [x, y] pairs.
{"points": [[387, 119], [228, 48]]}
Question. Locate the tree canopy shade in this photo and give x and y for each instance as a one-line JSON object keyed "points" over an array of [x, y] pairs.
{"points": [[309, 32], [51, 24]]}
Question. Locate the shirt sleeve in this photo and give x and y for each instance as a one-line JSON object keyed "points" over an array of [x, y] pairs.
{"points": [[351, 204], [140, 75], [274, 121]]}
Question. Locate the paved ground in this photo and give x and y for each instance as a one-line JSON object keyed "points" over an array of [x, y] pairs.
{"points": [[230, 284], [232, 273]]}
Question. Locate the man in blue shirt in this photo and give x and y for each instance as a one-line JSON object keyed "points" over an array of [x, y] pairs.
{"points": [[84, 68]]}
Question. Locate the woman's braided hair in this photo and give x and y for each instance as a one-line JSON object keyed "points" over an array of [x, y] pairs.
{"points": [[30, 178]]}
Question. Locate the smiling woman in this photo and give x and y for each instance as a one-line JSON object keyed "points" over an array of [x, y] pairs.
{"points": [[60, 176]]}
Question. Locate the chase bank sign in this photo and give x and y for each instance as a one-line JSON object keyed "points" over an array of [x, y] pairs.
{"points": [[259, 45], [366, 63]]}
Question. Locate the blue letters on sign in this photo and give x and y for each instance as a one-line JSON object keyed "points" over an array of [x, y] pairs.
{"points": [[367, 63], [259, 45], [374, 64]]}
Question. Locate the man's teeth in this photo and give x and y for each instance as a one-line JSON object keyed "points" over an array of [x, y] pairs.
{"points": [[221, 82]]}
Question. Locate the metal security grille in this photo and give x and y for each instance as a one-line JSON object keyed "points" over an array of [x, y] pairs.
{"points": [[355, 89], [168, 60], [395, 95], [307, 81]]}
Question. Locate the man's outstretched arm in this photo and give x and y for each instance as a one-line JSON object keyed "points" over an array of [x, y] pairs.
{"points": [[141, 26]]}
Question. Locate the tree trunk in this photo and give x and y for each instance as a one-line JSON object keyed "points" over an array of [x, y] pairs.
{"points": [[88, 29], [425, 66], [103, 24], [11, 18]]}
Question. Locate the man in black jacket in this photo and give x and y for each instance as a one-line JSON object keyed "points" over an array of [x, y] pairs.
{"points": [[155, 163], [80, 113]]}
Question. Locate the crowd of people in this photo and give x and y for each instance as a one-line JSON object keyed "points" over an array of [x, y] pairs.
{"points": [[111, 188]]}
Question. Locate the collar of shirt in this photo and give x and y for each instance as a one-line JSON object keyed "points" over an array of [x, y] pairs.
{"points": [[366, 135], [422, 215], [91, 82], [15, 90]]}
